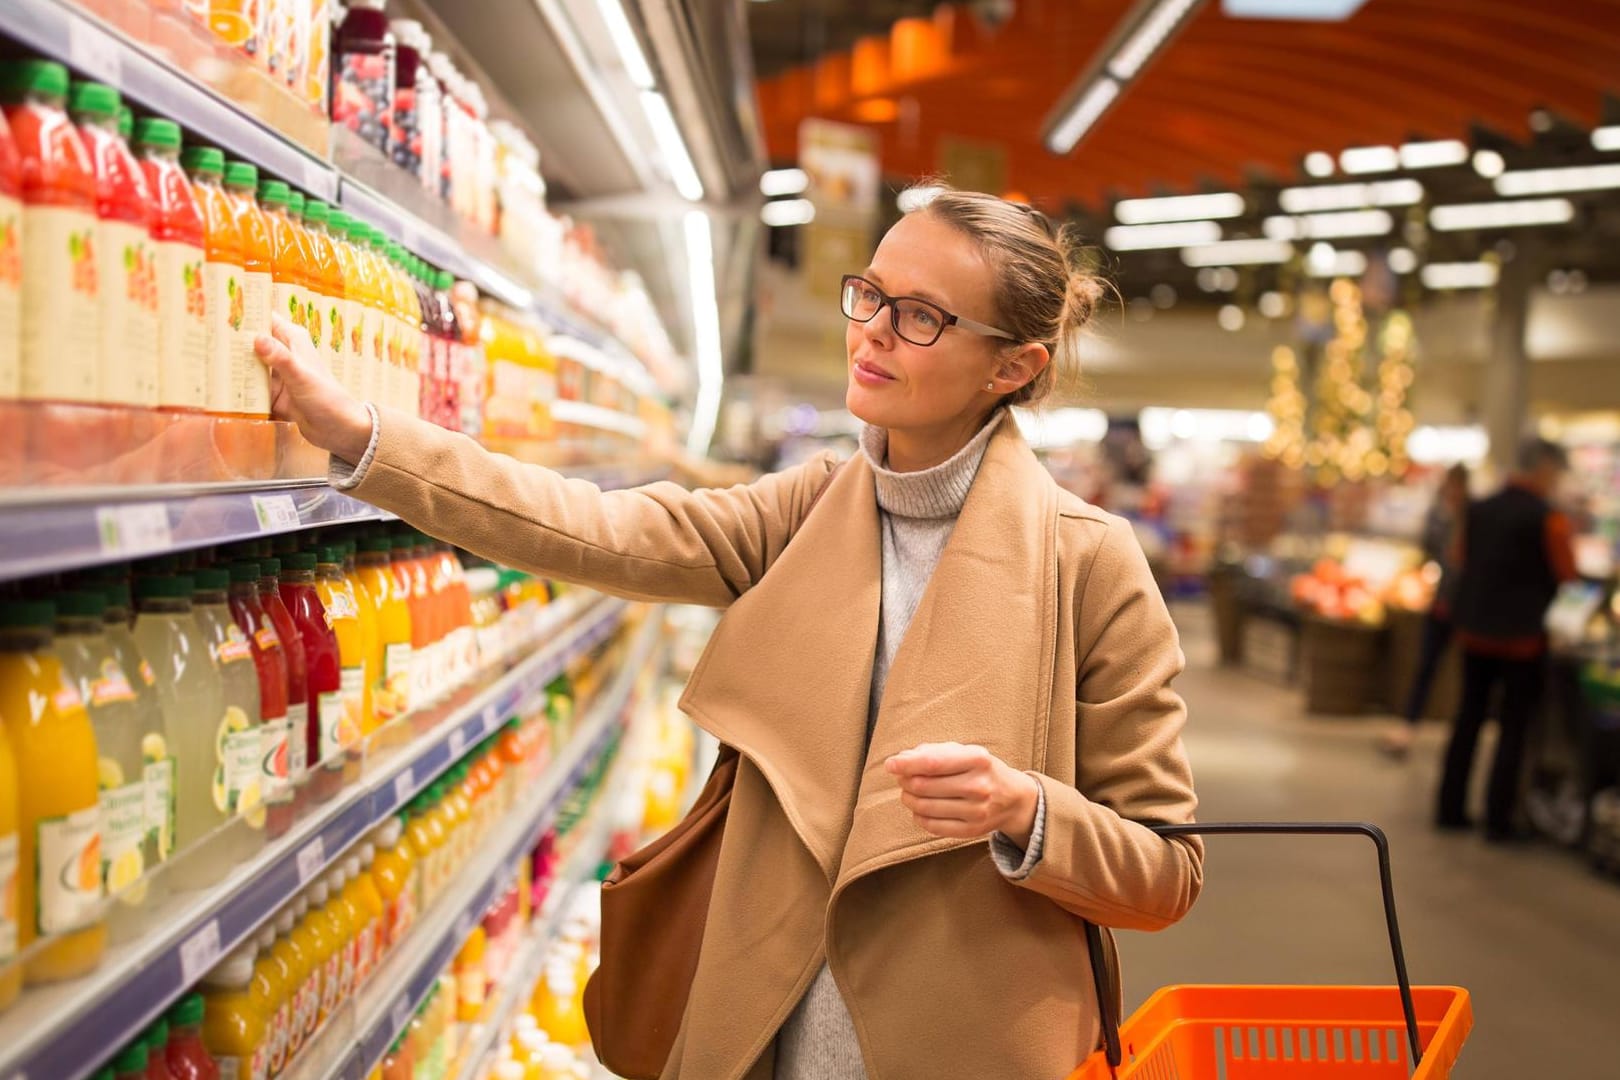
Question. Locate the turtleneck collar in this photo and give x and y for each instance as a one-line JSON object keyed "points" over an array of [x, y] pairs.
{"points": [[938, 492]]}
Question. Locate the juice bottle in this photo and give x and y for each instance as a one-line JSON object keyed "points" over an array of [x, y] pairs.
{"points": [[296, 965], [370, 631], [362, 92], [328, 277], [420, 838], [329, 950], [440, 823], [374, 293], [459, 813], [187, 1056], [362, 892], [323, 666], [394, 872], [250, 381], [398, 1063], [129, 358], [310, 940], [345, 917], [180, 232], [314, 318], [471, 981], [391, 648], [105, 687], [59, 856], [454, 607], [223, 297], [270, 665], [235, 1029], [288, 272], [273, 988], [10, 270], [407, 570], [10, 852], [351, 328], [236, 788], [340, 741], [155, 1040], [192, 699], [416, 332], [60, 340], [407, 325], [292, 649], [131, 1062]]}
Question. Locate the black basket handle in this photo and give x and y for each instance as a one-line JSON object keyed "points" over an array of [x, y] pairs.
{"points": [[1105, 1003]]}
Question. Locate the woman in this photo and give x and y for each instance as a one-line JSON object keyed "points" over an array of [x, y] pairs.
{"points": [[948, 651]]}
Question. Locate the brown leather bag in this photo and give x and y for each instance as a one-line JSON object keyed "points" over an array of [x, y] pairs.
{"points": [[655, 906]]}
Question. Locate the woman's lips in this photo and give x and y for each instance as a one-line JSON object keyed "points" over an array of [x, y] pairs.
{"points": [[868, 375]]}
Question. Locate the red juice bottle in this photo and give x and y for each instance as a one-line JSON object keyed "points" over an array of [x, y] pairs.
{"points": [[363, 73], [10, 272], [188, 1058], [292, 647], [407, 570], [323, 663], [181, 233], [270, 662]]}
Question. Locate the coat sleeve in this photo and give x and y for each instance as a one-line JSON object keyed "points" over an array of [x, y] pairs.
{"points": [[660, 542], [1098, 859]]}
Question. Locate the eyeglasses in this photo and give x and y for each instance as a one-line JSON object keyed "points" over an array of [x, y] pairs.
{"points": [[920, 322]]}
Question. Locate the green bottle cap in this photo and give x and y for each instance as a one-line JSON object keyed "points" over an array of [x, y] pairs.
{"points": [[295, 204], [188, 1011], [315, 211], [443, 281], [269, 566], [157, 1036], [19, 77], [27, 614], [330, 555], [131, 1059], [163, 587], [210, 579], [96, 99], [126, 122], [152, 131], [298, 560], [241, 174], [203, 159], [273, 193], [244, 573], [81, 603]]}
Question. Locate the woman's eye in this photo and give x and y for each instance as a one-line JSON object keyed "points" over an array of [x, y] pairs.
{"points": [[870, 296], [925, 317]]}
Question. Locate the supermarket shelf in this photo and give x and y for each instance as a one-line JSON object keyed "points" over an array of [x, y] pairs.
{"points": [[351, 1047], [58, 30], [596, 416], [62, 1032]]}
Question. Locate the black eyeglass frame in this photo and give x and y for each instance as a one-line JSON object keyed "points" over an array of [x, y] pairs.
{"points": [[946, 318]]}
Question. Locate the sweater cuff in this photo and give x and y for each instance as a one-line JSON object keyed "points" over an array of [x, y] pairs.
{"points": [[345, 476], [1014, 862]]}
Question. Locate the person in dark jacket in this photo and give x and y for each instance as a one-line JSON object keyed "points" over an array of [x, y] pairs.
{"points": [[1514, 552]]}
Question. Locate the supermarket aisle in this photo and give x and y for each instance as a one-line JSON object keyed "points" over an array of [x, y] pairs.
{"points": [[1529, 931]]}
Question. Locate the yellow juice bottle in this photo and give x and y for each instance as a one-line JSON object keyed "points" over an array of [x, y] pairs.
{"points": [[438, 821], [407, 316], [343, 612], [308, 933], [362, 893], [460, 809], [346, 918], [391, 650], [10, 970], [235, 1029], [330, 290], [329, 950], [290, 951], [353, 324], [370, 632], [415, 329], [372, 315], [394, 873], [420, 837], [59, 820], [273, 987]]}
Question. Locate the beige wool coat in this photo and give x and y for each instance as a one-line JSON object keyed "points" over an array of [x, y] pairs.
{"points": [[1041, 636]]}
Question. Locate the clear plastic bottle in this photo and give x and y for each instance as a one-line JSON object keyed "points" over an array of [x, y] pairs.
{"points": [[346, 918], [394, 873], [236, 787], [180, 233], [250, 379], [292, 648], [270, 667], [311, 942], [341, 741], [236, 1029]]}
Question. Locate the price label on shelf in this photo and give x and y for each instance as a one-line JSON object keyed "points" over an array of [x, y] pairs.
{"points": [[200, 952], [133, 529], [458, 742], [95, 52], [311, 857], [404, 784], [276, 513]]}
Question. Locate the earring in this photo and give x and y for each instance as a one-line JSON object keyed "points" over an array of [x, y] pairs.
{"points": [[989, 386]]}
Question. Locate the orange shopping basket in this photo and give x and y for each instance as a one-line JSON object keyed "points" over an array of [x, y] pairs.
{"points": [[1286, 1032]]}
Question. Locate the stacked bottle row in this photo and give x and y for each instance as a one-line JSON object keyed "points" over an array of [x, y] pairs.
{"points": [[183, 710]]}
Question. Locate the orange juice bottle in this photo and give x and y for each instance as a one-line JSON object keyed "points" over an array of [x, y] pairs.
{"points": [[391, 648], [273, 985], [394, 873], [222, 272], [438, 859], [380, 329], [412, 576], [180, 233], [343, 612], [290, 951], [370, 632], [236, 1030], [289, 275], [367, 336], [328, 931], [249, 380], [410, 324], [329, 287], [346, 918], [10, 971], [351, 338], [296, 202], [309, 931], [362, 892], [59, 819]]}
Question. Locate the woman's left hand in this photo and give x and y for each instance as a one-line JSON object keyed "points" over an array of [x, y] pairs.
{"points": [[965, 792]]}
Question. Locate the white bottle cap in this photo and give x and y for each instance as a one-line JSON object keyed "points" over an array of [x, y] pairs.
{"points": [[301, 906], [351, 868], [266, 937], [556, 1057], [318, 894], [368, 854], [285, 921], [334, 880], [390, 832], [236, 970]]}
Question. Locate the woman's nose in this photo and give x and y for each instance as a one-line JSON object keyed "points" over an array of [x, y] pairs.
{"points": [[879, 329]]}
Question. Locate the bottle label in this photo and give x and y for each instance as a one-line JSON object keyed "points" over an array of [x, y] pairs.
{"points": [[111, 686], [67, 882], [224, 312], [274, 767], [340, 726], [237, 777], [235, 647], [61, 322], [341, 605], [250, 377], [148, 676], [183, 326], [158, 774], [394, 692], [266, 635], [288, 302], [329, 984], [297, 740], [346, 961], [127, 265], [9, 848], [260, 1065], [123, 828], [376, 365], [11, 271], [229, 1068], [309, 1005], [366, 952], [351, 341], [333, 343], [280, 1036]]}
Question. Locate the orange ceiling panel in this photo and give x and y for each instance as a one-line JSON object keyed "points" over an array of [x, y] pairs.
{"points": [[1227, 97]]}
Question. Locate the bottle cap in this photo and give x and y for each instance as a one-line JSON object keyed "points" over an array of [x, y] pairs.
{"points": [[28, 614], [19, 77], [273, 193], [163, 587], [131, 1059], [299, 560], [286, 920], [96, 99], [241, 174], [245, 572], [203, 159], [155, 131], [126, 122], [84, 604], [368, 853], [210, 579], [235, 970], [270, 567], [188, 1011], [315, 210], [157, 1036]]}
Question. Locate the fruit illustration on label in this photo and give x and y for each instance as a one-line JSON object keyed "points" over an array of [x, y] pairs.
{"points": [[125, 870], [377, 344], [83, 874], [312, 322], [236, 298], [148, 674], [336, 320], [295, 310], [81, 248], [109, 774], [195, 304], [251, 805], [10, 253], [357, 341]]}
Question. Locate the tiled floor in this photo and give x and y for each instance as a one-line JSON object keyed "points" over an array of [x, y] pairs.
{"points": [[1530, 931]]}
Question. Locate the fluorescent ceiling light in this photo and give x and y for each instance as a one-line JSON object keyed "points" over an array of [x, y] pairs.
{"points": [[1464, 275], [1338, 264], [711, 370], [1085, 112], [1369, 159], [1293, 10], [1501, 215], [677, 159], [1552, 181], [1175, 234], [788, 212], [1328, 226], [1304, 200], [1225, 204], [624, 40], [915, 198], [1606, 138], [1488, 163], [1319, 163], [1433, 155], [1149, 37], [783, 182], [1238, 253]]}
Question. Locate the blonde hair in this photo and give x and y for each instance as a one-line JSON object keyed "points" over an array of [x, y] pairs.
{"points": [[1043, 293]]}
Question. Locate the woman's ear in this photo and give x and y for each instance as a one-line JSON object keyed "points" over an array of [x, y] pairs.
{"points": [[1021, 366]]}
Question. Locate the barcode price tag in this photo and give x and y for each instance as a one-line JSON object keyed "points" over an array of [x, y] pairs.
{"points": [[311, 857], [276, 513], [134, 529], [458, 742], [404, 784], [95, 52], [200, 952]]}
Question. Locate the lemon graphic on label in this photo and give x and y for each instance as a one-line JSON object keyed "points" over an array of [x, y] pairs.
{"points": [[109, 774], [154, 748], [222, 798], [251, 806], [235, 721], [124, 872]]}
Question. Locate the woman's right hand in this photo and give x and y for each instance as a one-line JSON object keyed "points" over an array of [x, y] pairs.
{"points": [[303, 390]]}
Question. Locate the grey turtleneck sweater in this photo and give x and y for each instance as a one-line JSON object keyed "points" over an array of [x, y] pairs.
{"points": [[917, 512]]}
